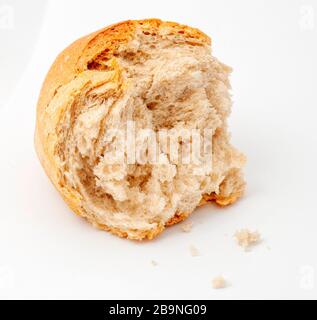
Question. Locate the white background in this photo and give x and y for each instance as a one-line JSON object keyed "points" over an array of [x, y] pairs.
{"points": [[48, 252]]}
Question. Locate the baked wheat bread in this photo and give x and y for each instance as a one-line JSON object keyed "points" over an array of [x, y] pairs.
{"points": [[156, 75]]}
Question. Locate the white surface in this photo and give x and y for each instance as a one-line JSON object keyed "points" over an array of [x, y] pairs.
{"points": [[48, 252]]}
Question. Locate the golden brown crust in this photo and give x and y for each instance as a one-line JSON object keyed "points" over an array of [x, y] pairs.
{"points": [[73, 61], [179, 217], [219, 199], [131, 234]]}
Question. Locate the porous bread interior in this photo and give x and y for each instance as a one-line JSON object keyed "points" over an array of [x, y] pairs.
{"points": [[163, 83]]}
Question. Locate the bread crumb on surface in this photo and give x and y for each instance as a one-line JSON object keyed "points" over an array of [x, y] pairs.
{"points": [[219, 282], [246, 238], [187, 227], [154, 263], [194, 251]]}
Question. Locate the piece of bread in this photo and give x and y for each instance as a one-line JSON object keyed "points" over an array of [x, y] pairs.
{"points": [[158, 75]]}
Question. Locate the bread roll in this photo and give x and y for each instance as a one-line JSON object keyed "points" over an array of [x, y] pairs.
{"points": [[158, 77]]}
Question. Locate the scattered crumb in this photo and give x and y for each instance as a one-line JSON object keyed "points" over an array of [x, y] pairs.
{"points": [[154, 263], [246, 238], [187, 227], [219, 282], [194, 251]]}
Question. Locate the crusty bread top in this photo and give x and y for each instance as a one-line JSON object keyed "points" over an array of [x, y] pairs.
{"points": [[79, 55]]}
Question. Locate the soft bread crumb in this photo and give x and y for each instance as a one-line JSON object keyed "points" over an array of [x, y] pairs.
{"points": [[187, 227], [246, 238], [194, 251], [219, 282], [154, 263]]}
